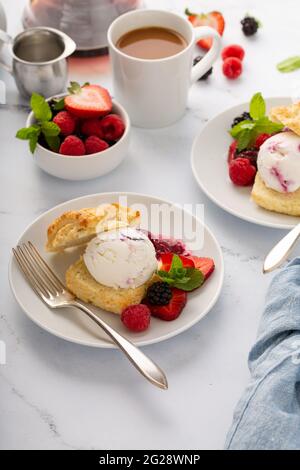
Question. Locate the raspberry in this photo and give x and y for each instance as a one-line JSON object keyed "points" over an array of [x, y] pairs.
{"points": [[261, 139], [66, 122], [234, 50], [242, 172], [136, 317], [92, 127], [112, 127], [72, 145], [159, 293], [232, 67], [93, 144]]}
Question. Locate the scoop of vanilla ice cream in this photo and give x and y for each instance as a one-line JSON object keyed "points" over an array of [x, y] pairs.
{"points": [[122, 258], [278, 162]]}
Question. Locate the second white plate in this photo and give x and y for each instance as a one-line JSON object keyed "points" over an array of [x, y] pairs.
{"points": [[209, 165]]}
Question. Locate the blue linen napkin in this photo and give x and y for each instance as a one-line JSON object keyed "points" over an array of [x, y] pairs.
{"points": [[268, 414]]}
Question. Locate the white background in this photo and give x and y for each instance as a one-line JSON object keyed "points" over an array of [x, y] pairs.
{"points": [[59, 395]]}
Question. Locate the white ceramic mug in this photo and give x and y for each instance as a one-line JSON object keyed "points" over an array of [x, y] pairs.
{"points": [[154, 91]]}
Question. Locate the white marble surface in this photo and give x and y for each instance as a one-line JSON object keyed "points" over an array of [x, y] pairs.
{"points": [[56, 395]]}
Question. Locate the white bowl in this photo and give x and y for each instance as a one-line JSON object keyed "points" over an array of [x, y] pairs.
{"points": [[83, 167]]}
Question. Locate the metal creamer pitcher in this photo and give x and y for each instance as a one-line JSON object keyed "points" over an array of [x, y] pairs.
{"points": [[37, 60]]}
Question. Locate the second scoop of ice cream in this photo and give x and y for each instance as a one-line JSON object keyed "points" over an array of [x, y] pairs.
{"points": [[278, 162], [123, 258]]}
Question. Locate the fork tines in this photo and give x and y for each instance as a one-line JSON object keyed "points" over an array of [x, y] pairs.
{"points": [[41, 278]]}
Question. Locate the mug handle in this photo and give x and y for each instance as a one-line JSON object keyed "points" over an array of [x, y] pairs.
{"points": [[7, 40], [210, 57]]}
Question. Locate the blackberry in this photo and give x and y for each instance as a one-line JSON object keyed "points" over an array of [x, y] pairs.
{"points": [[159, 293], [249, 25], [241, 118], [208, 73]]}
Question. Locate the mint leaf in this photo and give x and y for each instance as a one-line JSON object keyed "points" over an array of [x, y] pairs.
{"points": [[176, 264], [26, 132], [289, 65], [196, 280], [53, 142], [33, 140], [244, 139], [264, 125], [40, 108], [257, 106], [59, 104], [74, 88], [30, 133], [186, 279], [166, 277], [179, 273], [245, 132], [50, 129], [242, 126]]}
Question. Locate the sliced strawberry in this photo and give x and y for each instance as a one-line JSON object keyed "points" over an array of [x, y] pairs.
{"points": [[165, 261], [232, 151], [173, 309], [205, 265], [90, 101], [214, 19]]}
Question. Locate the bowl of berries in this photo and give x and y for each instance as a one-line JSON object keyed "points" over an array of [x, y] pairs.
{"points": [[80, 135]]}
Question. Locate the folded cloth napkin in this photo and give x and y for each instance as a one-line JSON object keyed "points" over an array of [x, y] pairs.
{"points": [[268, 414]]}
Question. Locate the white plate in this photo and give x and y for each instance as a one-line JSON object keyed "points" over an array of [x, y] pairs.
{"points": [[72, 325], [209, 165]]}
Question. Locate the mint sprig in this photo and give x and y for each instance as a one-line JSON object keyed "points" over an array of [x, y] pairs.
{"points": [[289, 65], [245, 132], [43, 115], [59, 104], [186, 279]]}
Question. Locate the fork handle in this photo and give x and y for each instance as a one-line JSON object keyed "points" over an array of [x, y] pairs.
{"points": [[141, 362]]}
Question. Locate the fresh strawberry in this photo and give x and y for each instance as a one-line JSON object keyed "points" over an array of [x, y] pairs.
{"points": [[214, 19], [173, 309], [232, 151], [205, 265], [165, 261], [89, 101]]}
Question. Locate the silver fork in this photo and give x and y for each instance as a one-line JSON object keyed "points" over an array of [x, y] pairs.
{"points": [[54, 294]]}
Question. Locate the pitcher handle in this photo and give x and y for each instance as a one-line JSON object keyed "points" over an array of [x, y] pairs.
{"points": [[7, 40], [210, 57]]}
